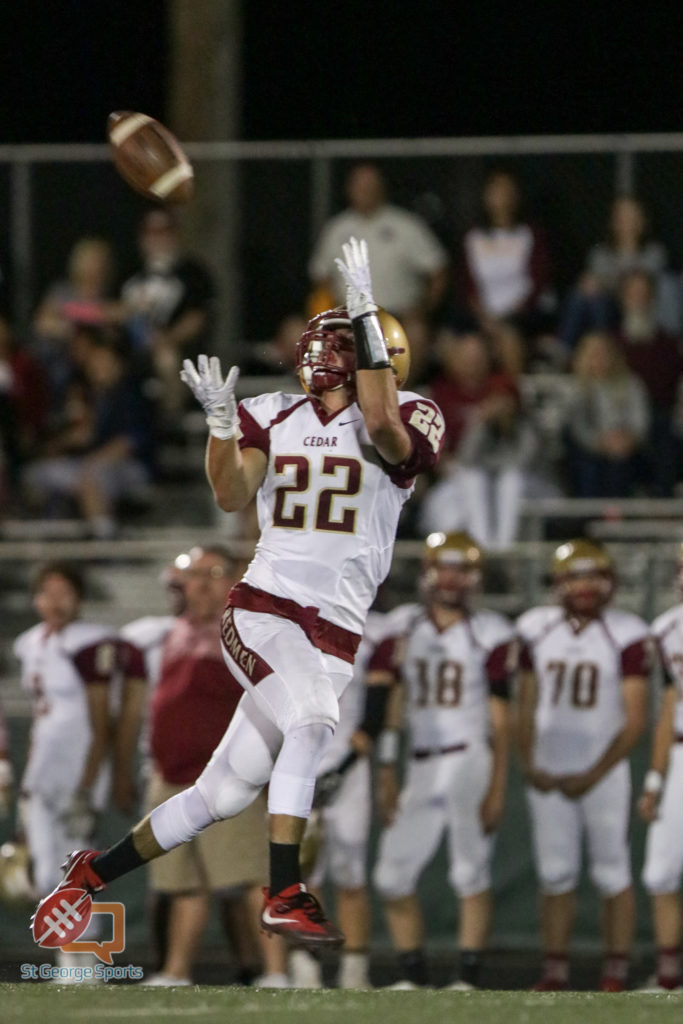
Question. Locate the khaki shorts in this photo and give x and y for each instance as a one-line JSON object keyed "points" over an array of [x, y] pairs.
{"points": [[226, 854]]}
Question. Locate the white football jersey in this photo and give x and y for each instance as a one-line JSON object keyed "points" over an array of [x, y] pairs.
{"points": [[379, 627], [668, 629], [449, 675], [55, 668], [328, 507], [579, 671]]}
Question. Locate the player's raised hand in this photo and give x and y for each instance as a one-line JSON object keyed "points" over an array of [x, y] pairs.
{"points": [[215, 394], [355, 269]]}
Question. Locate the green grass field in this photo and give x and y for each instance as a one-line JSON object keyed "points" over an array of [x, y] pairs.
{"points": [[29, 1003]]}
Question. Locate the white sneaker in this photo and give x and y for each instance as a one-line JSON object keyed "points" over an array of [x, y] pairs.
{"points": [[353, 971], [403, 986], [461, 986], [653, 986], [304, 970], [271, 981], [164, 981]]}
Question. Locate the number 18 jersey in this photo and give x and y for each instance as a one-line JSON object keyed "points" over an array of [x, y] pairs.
{"points": [[329, 505]]}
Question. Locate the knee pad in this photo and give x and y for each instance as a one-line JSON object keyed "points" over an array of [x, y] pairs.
{"points": [[320, 707], [611, 877], [557, 878], [224, 792], [347, 866], [469, 879], [392, 880], [180, 818]]}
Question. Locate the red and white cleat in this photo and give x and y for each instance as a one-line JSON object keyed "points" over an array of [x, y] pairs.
{"points": [[547, 984], [297, 916]]}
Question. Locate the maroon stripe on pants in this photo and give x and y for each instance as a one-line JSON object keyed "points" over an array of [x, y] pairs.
{"points": [[251, 663]]}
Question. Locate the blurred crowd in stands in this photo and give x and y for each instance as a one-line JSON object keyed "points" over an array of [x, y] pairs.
{"points": [[88, 397]]}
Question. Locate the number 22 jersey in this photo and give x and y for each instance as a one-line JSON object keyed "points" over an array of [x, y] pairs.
{"points": [[329, 505]]}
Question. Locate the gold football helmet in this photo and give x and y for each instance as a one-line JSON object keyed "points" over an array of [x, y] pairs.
{"points": [[326, 356], [451, 568], [583, 572]]}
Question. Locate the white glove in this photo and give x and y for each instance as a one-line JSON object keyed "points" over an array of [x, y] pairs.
{"points": [[79, 818], [215, 395], [356, 274]]}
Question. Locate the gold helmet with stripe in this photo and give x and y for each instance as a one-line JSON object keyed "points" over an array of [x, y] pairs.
{"points": [[583, 572], [326, 354], [451, 568]]}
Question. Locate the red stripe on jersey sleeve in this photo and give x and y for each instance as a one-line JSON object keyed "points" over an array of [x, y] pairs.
{"points": [[97, 664], [636, 659], [253, 434], [383, 658], [498, 665], [425, 424], [131, 660], [525, 661]]}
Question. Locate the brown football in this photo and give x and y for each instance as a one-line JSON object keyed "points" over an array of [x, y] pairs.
{"points": [[149, 157]]}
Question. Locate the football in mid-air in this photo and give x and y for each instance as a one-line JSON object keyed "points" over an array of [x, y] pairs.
{"points": [[149, 157]]}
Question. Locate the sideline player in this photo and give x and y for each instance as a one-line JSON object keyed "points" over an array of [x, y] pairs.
{"points": [[67, 666], [342, 814], [583, 697], [331, 471], [454, 669], [661, 802]]}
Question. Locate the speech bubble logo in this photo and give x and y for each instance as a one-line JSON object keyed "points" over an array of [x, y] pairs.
{"points": [[116, 944]]}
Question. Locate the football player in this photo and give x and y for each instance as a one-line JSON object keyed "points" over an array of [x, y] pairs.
{"points": [[454, 672], [583, 696], [331, 471], [661, 802], [68, 667], [343, 805], [6, 771]]}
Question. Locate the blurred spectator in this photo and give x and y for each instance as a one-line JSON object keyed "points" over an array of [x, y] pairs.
{"points": [[592, 304], [278, 354], [23, 406], [167, 307], [409, 263], [105, 453], [192, 704], [656, 356], [84, 296], [490, 445], [504, 275], [608, 419]]}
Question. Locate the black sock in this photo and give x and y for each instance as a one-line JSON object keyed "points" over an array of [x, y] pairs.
{"points": [[470, 966], [117, 860], [284, 866], [413, 966]]}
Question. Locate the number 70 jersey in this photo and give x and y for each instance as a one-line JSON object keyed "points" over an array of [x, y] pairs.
{"points": [[579, 671], [329, 506]]}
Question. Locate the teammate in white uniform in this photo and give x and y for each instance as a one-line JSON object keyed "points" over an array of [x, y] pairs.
{"points": [[343, 806], [583, 699], [661, 802], [67, 666], [454, 668], [331, 472]]}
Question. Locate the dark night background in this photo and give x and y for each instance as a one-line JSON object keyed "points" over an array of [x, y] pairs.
{"points": [[356, 69]]}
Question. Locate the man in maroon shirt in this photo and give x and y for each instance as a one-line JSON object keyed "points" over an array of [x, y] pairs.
{"points": [[191, 707]]}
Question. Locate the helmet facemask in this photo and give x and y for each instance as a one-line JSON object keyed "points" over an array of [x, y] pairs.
{"points": [[326, 355]]}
